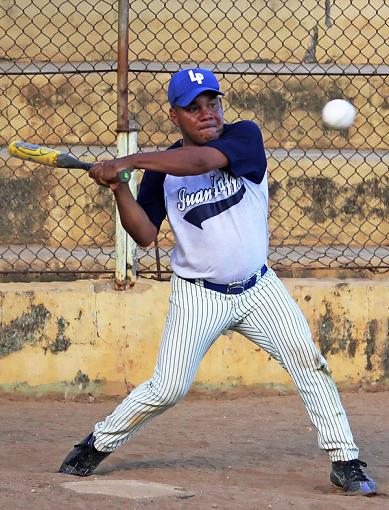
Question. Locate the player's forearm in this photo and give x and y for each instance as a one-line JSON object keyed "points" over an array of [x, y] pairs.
{"points": [[182, 161], [133, 218]]}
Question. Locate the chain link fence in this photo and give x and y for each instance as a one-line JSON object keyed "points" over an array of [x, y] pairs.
{"points": [[278, 62]]}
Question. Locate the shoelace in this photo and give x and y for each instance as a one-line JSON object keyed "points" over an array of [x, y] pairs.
{"points": [[354, 471]]}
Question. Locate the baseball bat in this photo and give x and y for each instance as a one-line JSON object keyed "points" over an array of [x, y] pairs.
{"points": [[53, 157]]}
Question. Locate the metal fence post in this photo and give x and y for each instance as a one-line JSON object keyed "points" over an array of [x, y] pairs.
{"points": [[122, 135]]}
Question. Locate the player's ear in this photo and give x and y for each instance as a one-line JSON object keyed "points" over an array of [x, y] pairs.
{"points": [[173, 116]]}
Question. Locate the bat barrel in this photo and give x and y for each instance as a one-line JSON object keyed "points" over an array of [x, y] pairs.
{"points": [[54, 157]]}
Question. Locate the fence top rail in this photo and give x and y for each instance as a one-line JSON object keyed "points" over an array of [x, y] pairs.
{"points": [[261, 68]]}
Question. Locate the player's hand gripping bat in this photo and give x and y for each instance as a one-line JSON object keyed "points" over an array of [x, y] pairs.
{"points": [[53, 157]]}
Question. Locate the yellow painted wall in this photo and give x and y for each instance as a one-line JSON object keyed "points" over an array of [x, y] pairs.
{"points": [[85, 337], [277, 30], [81, 109]]}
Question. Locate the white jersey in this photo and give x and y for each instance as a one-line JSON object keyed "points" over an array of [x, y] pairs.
{"points": [[219, 223], [219, 218]]}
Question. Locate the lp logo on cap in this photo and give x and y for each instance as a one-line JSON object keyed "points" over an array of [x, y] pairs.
{"points": [[199, 77]]}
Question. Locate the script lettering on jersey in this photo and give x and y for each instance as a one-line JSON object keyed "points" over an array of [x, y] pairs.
{"points": [[228, 188]]}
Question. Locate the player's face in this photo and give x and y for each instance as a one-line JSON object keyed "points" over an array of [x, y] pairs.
{"points": [[201, 121]]}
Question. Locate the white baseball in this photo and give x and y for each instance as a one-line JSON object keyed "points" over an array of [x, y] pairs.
{"points": [[338, 114]]}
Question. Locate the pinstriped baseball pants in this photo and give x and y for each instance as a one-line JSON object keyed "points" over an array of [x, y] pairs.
{"points": [[268, 316]]}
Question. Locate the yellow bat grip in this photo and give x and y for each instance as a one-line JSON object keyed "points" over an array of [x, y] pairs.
{"points": [[32, 152]]}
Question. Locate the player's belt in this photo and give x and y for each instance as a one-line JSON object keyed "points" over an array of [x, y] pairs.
{"points": [[233, 287]]}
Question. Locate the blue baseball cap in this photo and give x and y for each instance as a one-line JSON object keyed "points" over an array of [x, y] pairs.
{"points": [[187, 84]]}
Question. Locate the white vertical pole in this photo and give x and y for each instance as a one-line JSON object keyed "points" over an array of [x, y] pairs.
{"points": [[120, 234], [131, 244]]}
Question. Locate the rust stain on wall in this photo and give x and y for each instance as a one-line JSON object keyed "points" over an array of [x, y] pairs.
{"points": [[385, 354], [323, 199], [102, 201], [335, 333], [326, 330], [271, 105], [61, 342], [370, 347], [318, 197], [81, 380], [22, 213], [25, 330], [48, 98]]}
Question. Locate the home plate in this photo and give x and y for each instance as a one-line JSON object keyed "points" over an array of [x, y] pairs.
{"points": [[130, 489]]}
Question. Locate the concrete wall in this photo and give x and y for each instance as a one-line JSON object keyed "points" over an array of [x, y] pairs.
{"points": [[276, 30], [81, 110], [85, 337]]}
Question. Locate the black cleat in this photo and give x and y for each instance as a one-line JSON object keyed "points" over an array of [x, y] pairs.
{"points": [[350, 476], [83, 459]]}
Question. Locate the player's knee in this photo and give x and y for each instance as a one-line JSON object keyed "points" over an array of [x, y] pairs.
{"points": [[306, 356], [170, 395]]}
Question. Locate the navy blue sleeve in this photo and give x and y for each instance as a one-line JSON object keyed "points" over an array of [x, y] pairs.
{"points": [[242, 143], [151, 196]]}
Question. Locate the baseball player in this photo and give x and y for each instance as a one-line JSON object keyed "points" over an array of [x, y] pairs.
{"points": [[212, 186]]}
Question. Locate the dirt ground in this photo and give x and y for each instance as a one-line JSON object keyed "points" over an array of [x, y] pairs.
{"points": [[232, 451]]}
